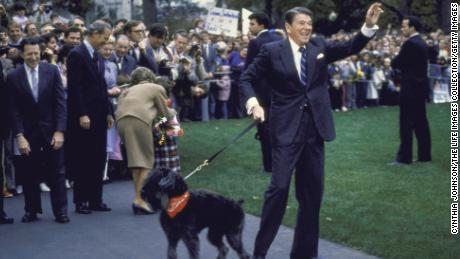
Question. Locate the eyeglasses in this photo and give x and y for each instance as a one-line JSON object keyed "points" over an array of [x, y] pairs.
{"points": [[139, 31]]}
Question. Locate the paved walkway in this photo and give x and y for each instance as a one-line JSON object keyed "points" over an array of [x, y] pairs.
{"points": [[120, 234]]}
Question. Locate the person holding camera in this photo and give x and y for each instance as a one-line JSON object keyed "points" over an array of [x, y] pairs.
{"points": [[158, 50], [135, 30]]}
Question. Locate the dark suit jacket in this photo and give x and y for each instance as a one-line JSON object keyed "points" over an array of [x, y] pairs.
{"points": [[288, 96], [42, 118], [4, 107], [146, 60], [412, 61], [87, 90], [127, 66], [255, 45], [261, 87], [209, 59]]}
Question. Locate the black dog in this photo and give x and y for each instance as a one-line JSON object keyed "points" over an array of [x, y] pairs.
{"points": [[203, 209]]}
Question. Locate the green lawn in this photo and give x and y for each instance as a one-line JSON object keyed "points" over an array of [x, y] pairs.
{"points": [[387, 211]]}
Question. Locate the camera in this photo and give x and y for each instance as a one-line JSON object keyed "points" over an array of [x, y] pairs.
{"points": [[47, 8], [4, 50], [195, 47]]}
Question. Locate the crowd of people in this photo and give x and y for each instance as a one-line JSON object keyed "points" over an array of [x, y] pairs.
{"points": [[199, 71]]}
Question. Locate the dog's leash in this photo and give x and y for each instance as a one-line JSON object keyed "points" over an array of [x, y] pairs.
{"points": [[209, 160]]}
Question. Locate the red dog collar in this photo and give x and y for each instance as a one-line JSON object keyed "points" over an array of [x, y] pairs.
{"points": [[177, 204]]}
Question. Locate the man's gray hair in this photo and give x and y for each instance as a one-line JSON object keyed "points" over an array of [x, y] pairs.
{"points": [[122, 37], [98, 27]]}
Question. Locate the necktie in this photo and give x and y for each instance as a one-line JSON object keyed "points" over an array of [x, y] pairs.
{"points": [[34, 81], [95, 60], [120, 64], [303, 66]]}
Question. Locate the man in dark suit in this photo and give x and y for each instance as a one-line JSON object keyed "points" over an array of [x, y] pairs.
{"points": [[38, 112], [208, 50], [135, 30], [412, 61], [125, 63], [300, 122], [4, 132], [258, 25], [89, 115]]}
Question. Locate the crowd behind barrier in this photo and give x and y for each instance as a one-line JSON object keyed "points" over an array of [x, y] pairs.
{"points": [[199, 71]]}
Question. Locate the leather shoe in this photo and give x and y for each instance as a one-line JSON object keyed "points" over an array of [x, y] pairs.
{"points": [[258, 257], [6, 220], [138, 210], [62, 219], [394, 163], [421, 161], [81, 208], [99, 207], [29, 217]]}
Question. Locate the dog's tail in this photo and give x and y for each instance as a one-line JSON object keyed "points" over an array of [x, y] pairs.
{"points": [[240, 202]]}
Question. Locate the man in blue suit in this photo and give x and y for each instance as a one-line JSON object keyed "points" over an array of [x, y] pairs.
{"points": [[125, 63], [135, 30], [412, 61], [38, 111], [89, 115], [4, 132], [259, 24], [300, 122]]}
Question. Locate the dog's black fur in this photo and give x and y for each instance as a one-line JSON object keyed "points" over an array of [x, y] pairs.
{"points": [[222, 216]]}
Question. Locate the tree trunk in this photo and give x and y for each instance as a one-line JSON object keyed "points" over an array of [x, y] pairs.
{"points": [[269, 8], [443, 15], [149, 9]]}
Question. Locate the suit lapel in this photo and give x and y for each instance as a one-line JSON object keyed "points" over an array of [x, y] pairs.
{"points": [[42, 78], [312, 52], [94, 69], [288, 60]]}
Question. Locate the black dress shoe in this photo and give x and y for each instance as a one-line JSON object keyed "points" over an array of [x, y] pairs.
{"points": [[62, 219], [258, 257], [29, 217], [6, 220], [81, 208], [99, 207], [396, 162], [138, 210], [421, 161]]}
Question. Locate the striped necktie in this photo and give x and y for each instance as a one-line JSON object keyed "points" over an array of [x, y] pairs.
{"points": [[303, 66], [34, 81]]}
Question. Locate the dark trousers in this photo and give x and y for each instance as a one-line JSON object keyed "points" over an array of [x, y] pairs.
{"points": [[336, 97], [85, 161], [43, 163], [412, 119], [263, 135], [1, 179], [306, 156], [361, 93]]}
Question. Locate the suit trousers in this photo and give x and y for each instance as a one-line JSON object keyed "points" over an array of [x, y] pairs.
{"points": [[43, 162], [412, 119], [1, 178], [86, 156], [306, 156], [263, 135]]}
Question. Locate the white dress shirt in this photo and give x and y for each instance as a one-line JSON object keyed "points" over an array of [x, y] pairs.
{"points": [[29, 76], [89, 47], [296, 54]]}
